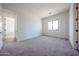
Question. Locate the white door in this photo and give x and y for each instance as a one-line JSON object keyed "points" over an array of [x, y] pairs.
{"points": [[77, 25]]}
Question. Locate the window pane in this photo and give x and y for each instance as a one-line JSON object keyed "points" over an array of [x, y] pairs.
{"points": [[55, 25], [50, 25]]}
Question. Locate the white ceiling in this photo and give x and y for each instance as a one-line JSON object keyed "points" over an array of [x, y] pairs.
{"points": [[40, 9]]}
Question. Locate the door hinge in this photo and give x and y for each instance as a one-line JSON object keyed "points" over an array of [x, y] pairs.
{"points": [[76, 19], [76, 30], [76, 42], [77, 8]]}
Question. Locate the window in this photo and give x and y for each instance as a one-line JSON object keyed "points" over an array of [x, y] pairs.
{"points": [[53, 25], [50, 25]]}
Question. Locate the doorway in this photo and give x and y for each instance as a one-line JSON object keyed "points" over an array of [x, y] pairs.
{"points": [[9, 30], [1, 36], [9, 27]]}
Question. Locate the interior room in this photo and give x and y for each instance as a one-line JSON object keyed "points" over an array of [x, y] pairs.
{"points": [[39, 29]]}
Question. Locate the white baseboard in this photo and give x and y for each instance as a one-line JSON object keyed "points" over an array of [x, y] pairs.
{"points": [[56, 37]]}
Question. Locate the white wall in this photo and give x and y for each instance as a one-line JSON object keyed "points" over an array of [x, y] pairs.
{"points": [[1, 41], [28, 24], [63, 25]]}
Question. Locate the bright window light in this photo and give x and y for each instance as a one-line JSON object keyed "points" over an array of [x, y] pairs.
{"points": [[50, 25], [55, 25]]}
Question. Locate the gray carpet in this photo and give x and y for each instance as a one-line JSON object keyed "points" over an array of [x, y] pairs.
{"points": [[40, 46]]}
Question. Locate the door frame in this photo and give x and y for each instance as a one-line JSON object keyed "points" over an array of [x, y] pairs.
{"points": [[3, 25]]}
